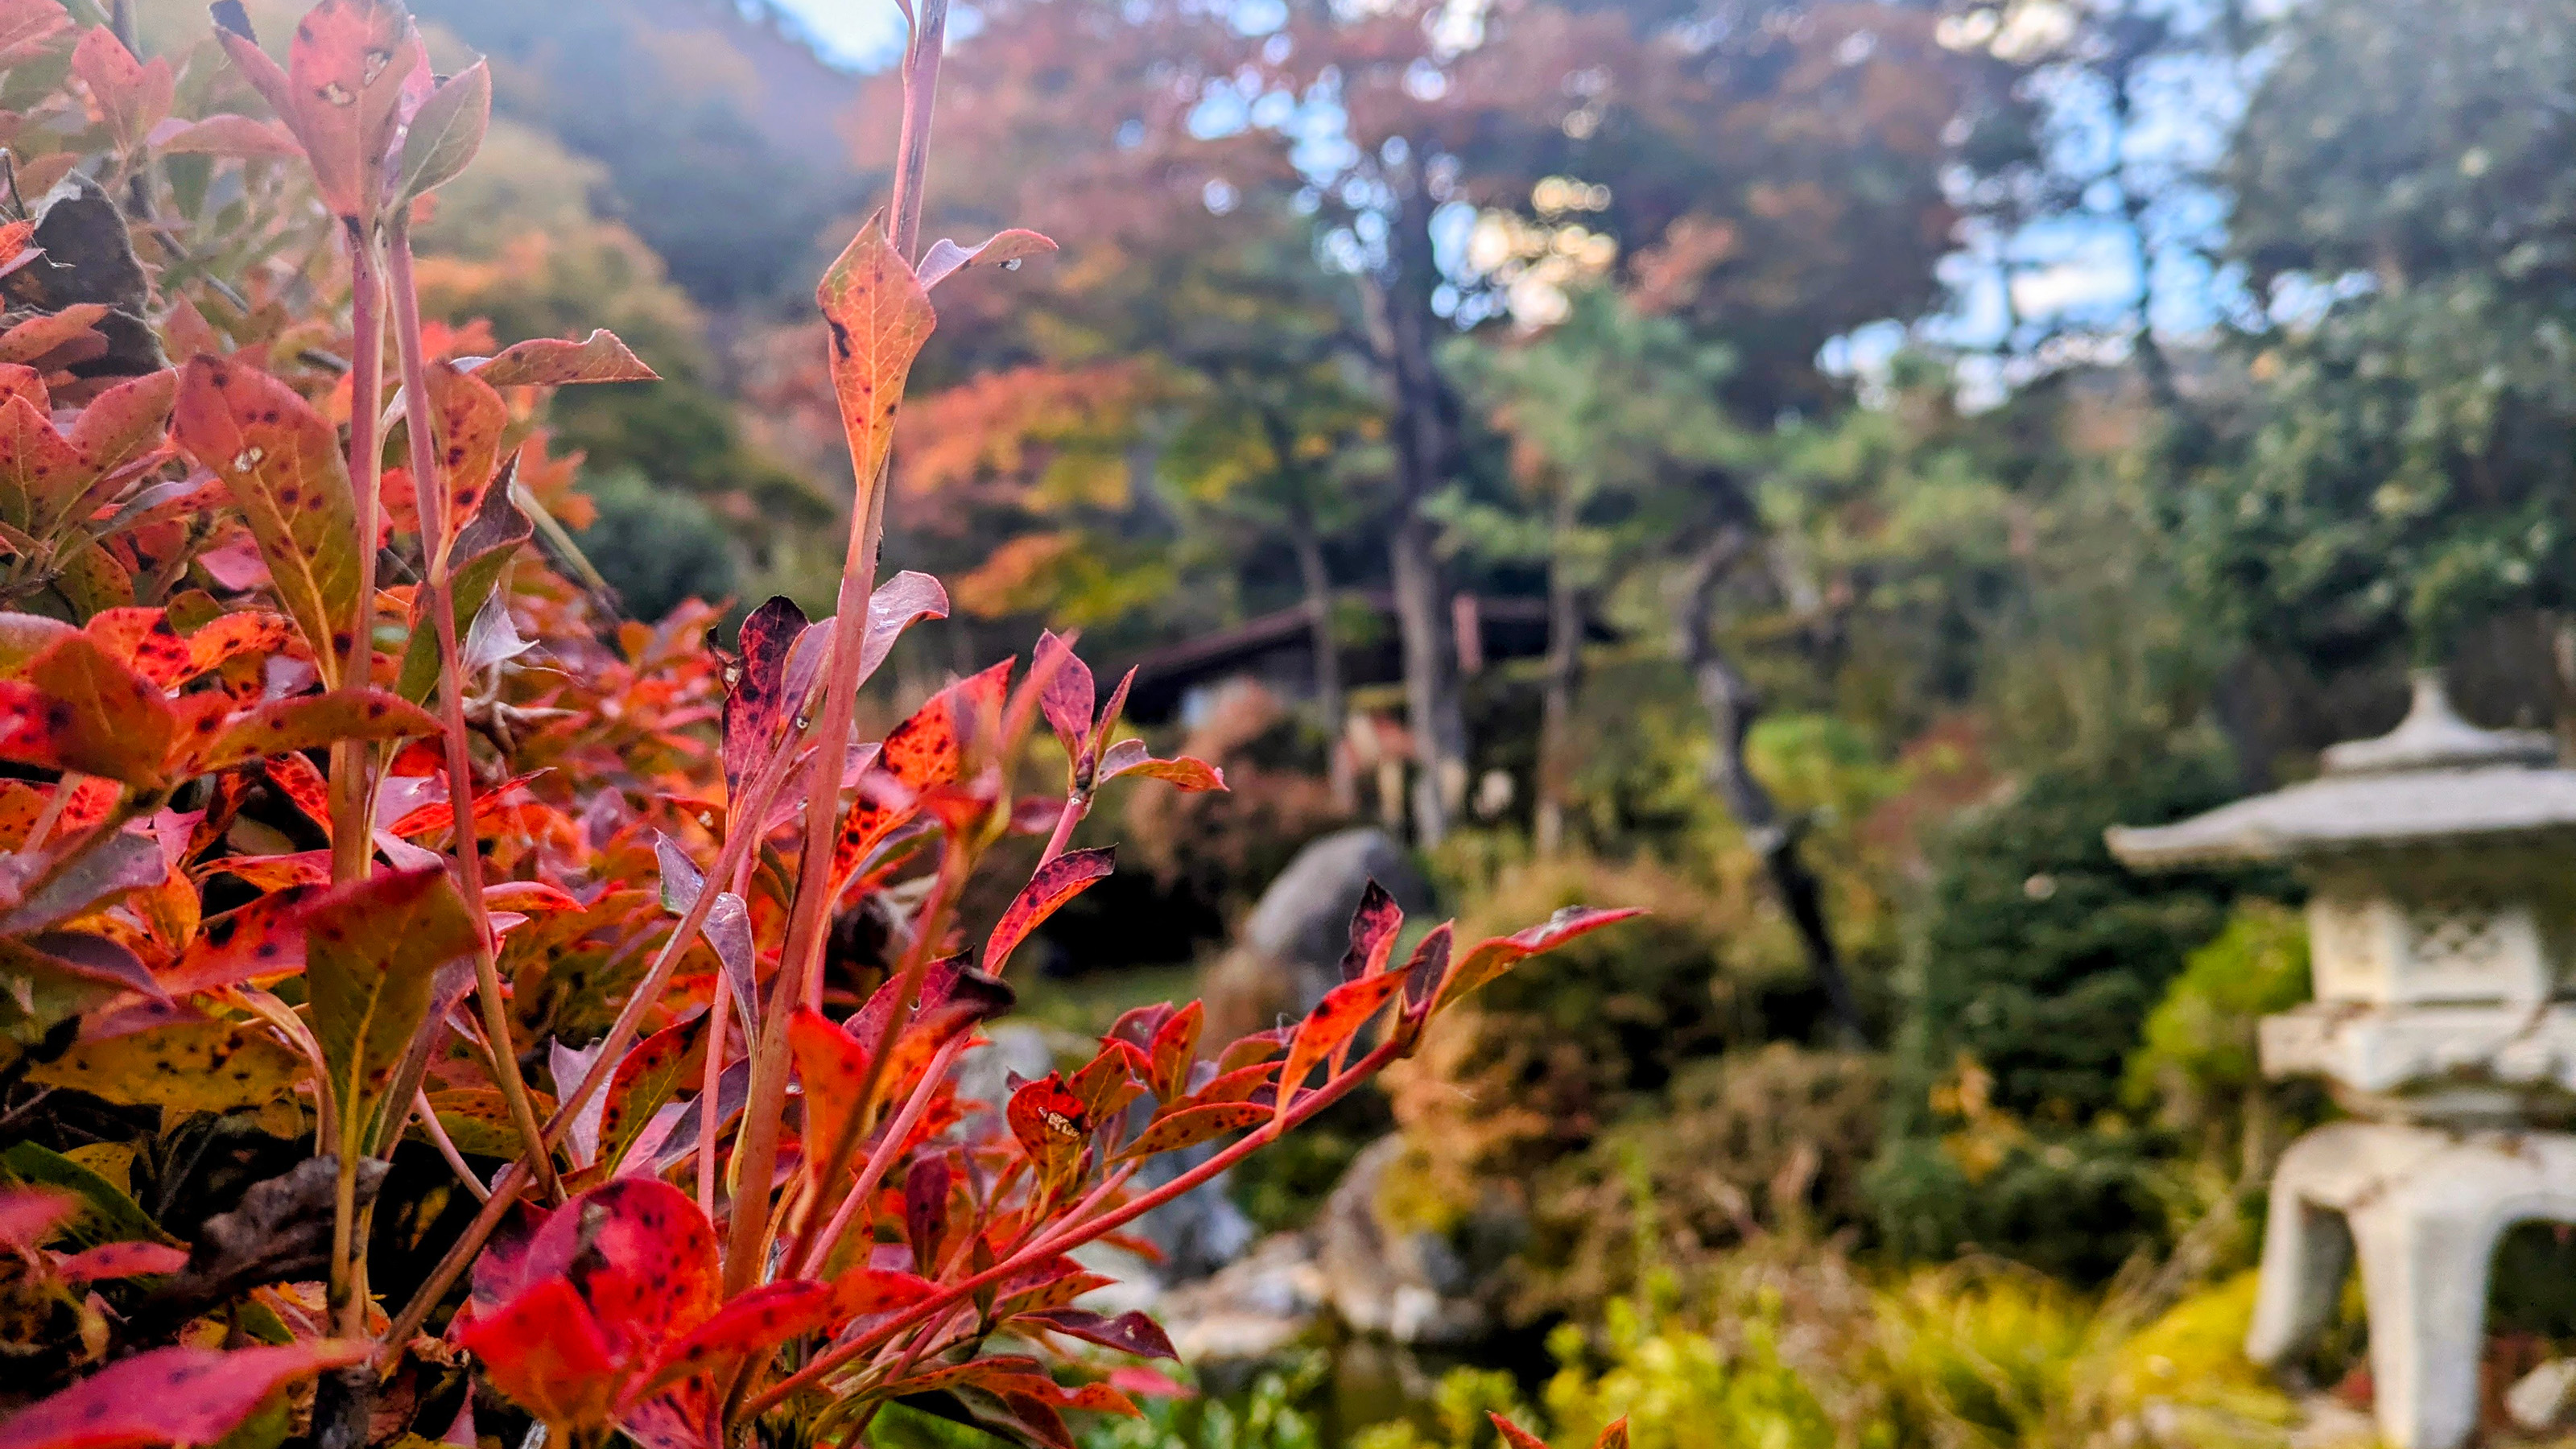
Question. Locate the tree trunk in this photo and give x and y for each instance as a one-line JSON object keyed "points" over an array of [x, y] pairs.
{"points": [[1328, 663], [1400, 304], [1556, 701], [1732, 707]]}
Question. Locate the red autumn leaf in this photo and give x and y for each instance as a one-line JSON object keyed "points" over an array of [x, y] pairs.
{"points": [[467, 420], [1132, 1332], [1050, 1124], [1056, 882], [129, 96], [239, 137], [1004, 249], [264, 939], [1175, 1050], [1495, 955], [1067, 699], [490, 801], [559, 362], [545, 1350], [832, 1068], [1261, 1046], [879, 315], [169, 1396], [357, 72], [1112, 1079], [1190, 1126], [27, 1214], [1137, 1025], [926, 1188], [924, 751], [1130, 757], [121, 1260], [865, 1292], [1240, 1085], [756, 707], [641, 1256], [1614, 1435], [1334, 1021], [76, 708], [282, 464], [28, 26], [307, 723], [1373, 930], [751, 1324], [40, 471], [1514, 1435], [1423, 974]]}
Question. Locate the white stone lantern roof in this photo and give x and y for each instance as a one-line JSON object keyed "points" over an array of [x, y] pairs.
{"points": [[2434, 779]]}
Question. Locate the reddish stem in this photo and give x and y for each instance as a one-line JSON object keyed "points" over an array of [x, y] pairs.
{"points": [[429, 486], [352, 793], [1077, 1234]]}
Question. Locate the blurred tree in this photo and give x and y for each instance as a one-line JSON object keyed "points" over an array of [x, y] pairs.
{"points": [[2404, 467]]}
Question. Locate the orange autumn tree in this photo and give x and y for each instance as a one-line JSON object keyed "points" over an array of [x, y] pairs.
{"points": [[338, 823]]}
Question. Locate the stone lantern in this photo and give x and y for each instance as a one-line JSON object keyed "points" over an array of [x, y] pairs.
{"points": [[2442, 928]]}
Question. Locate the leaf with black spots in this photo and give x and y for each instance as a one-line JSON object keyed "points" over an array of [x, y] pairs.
{"points": [[832, 1068], [1175, 1050], [756, 708], [1190, 1126], [926, 1189], [1244, 1084], [1056, 882], [257, 942], [196, 1066], [75, 708], [1113, 1078], [372, 952], [476, 562], [880, 316], [169, 1396], [645, 1079], [307, 723], [1067, 699], [50, 978], [748, 1327], [354, 70], [559, 362], [925, 751], [283, 466], [121, 1260]]}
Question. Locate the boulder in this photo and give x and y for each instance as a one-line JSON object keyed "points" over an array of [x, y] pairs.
{"points": [[1290, 950], [1407, 1284]]}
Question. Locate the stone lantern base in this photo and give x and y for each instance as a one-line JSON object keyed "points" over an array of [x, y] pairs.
{"points": [[2423, 1208]]}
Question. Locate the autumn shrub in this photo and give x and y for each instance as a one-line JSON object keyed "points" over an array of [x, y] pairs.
{"points": [[420, 981]]}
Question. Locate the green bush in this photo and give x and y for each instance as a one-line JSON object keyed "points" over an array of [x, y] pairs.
{"points": [[656, 547]]}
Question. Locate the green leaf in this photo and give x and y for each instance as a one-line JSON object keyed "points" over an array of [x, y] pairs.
{"points": [[448, 131], [106, 1215], [372, 950]]}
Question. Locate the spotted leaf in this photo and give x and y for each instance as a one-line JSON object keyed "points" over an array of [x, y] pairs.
{"points": [[372, 950], [169, 1396], [1056, 882]]}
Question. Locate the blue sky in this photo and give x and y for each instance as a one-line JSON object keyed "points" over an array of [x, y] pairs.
{"points": [[851, 32]]}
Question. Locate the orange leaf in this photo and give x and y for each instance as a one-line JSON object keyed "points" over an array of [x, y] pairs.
{"points": [[1514, 1435], [1050, 1123], [832, 1068], [307, 723], [129, 96], [556, 362], [880, 315], [468, 418], [1494, 956], [303, 785], [76, 708]]}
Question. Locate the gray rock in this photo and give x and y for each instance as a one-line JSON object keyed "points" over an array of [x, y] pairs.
{"points": [[1290, 950], [1409, 1285]]}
